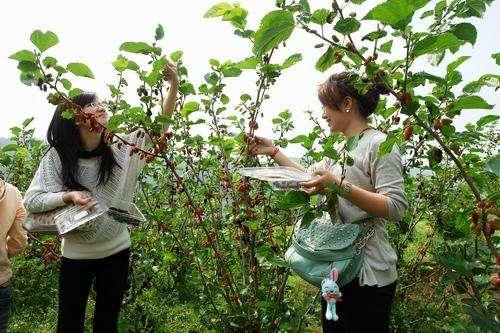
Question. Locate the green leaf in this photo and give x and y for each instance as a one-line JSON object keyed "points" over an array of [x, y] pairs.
{"points": [[291, 60], [237, 17], [480, 320], [438, 9], [435, 58], [49, 62], [427, 13], [187, 89], [457, 263], [466, 32], [496, 57], [352, 143], [75, 91], [454, 64], [396, 13], [489, 80], [320, 16], [27, 78], [244, 33], [436, 43], [248, 63], [347, 25], [307, 218], [189, 108], [153, 78], [9, 147], [245, 97], [326, 60], [377, 34], [23, 55], [224, 99], [276, 27], [159, 32], [176, 56], [214, 62], [115, 121], [231, 71], [470, 102], [293, 199], [68, 114], [426, 76], [120, 64], [387, 146], [60, 69], [493, 165], [453, 78], [386, 47], [486, 120], [160, 64], [136, 47], [80, 69], [44, 40], [304, 4], [266, 257], [471, 8], [218, 10], [27, 121], [27, 66], [66, 84]]}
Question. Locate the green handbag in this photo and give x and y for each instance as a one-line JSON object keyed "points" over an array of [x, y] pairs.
{"points": [[324, 245]]}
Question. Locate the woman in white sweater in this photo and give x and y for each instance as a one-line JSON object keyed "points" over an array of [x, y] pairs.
{"points": [[80, 168], [373, 187]]}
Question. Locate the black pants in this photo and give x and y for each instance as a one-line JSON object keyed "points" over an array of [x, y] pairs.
{"points": [[362, 309], [76, 278]]}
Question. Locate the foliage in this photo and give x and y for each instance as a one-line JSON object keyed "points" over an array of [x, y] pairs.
{"points": [[211, 251]]}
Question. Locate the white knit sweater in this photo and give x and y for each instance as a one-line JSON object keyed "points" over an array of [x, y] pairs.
{"points": [[103, 236], [380, 174]]}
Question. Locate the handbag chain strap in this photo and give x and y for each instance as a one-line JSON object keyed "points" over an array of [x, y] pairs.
{"points": [[361, 242]]}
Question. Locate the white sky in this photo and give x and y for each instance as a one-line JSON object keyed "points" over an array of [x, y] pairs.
{"points": [[91, 32]]}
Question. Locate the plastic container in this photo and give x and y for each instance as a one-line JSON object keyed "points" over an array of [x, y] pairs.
{"points": [[278, 177], [72, 217]]}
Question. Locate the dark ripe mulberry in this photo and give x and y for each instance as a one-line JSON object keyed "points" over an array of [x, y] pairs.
{"points": [[408, 132], [437, 124], [406, 98], [437, 154]]}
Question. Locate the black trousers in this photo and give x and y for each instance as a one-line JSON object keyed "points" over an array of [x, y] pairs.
{"points": [[75, 280], [362, 309]]}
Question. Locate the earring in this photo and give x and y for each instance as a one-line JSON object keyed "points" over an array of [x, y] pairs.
{"points": [[347, 110]]}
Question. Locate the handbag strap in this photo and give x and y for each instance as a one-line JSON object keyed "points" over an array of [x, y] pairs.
{"points": [[361, 242]]}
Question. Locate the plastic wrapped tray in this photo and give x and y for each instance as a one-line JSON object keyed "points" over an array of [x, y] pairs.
{"points": [[278, 177], [74, 216], [68, 218], [132, 215]]}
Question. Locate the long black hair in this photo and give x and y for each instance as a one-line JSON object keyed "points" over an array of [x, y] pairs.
{"points": [[64, 137]]}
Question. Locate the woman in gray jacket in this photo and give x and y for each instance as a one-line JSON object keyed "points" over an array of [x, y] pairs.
{"points": [[373, 186]]}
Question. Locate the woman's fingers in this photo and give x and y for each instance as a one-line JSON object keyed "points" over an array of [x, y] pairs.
{"points": [[312, 183], [92, 204], [170, 71], [311, 191], [82, 200]]}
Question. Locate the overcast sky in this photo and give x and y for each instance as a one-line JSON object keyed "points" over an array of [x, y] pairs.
{"points": [[91, 32]]}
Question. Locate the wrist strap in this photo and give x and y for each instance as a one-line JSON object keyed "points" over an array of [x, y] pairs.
{"points": [[274, 152]]}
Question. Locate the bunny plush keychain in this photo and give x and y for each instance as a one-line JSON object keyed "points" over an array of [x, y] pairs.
{"points": [[331, 294]]}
